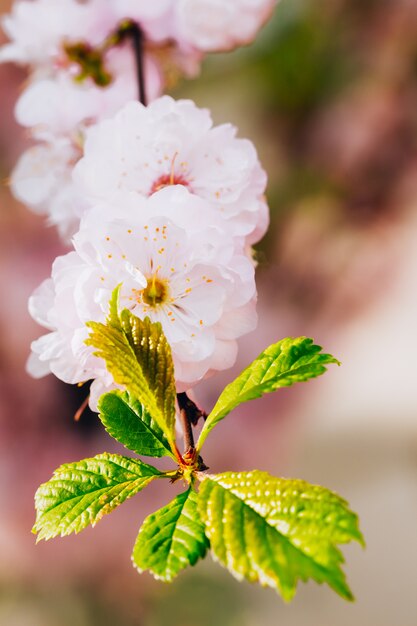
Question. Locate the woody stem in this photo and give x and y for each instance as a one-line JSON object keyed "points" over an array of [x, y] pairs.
{"points": [[137, 36], [186, 423], [138, 47]]}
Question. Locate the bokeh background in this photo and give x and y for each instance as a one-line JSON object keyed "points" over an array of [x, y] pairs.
{"points": [[328, 93]]}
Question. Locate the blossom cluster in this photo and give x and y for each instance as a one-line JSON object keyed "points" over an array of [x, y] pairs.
{"points": [[153, 198], [173, 207], [60, 102]]}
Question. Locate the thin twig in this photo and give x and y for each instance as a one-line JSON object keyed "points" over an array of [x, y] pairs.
{"points": [[186, 423], [138, 37], [193, 411]]}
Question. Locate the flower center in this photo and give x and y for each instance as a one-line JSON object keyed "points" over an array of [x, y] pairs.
{"points": [[168, 179], [155, 292], [89, 61]]}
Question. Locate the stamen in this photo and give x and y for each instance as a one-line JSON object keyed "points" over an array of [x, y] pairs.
{"points": [[156, 292], [172, 177]]}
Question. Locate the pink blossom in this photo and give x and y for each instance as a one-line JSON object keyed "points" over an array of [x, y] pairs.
{"points": [[190, 279]]}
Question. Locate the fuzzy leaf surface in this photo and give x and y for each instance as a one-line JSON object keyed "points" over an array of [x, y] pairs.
{"points": [[284, 363], [171, 539], [277, 531], [80, 494], [126, 420], [138, 357]]}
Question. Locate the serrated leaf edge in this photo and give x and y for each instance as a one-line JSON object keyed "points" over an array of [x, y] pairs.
{"points": [[209, 424], [170, 578], [287, 596], [115, 324], [42, 535]]}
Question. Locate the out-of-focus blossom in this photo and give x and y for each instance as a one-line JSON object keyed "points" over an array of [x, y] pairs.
{"points": [[42, 32], [38, 29], [45, 34], [57, 112], [42, 180], [190, 278], [143, 149], [215, 25], [59, 104], [68, 91], [155, 18], [55, 106]]}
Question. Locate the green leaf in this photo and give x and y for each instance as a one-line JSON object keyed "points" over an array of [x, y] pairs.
{"points": [[80, 494], [171, 538], [277, 531], [138, 357], [153, 352], [126, 420], [287, 362], [113, 316]]}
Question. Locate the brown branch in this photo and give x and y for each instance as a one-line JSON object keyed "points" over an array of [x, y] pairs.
{"points": [[133, 30], [194, 412], [186, 422], [190, 413]]}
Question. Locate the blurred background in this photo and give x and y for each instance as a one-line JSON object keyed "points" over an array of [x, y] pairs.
{"points": [[328, 93]]}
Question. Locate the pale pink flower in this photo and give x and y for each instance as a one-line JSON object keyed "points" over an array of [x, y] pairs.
{"points": [[216, 25], [42, 180], [155, 18], [59, 104], [143, 149], [37, 30], [190, 279], [41, 30], [57, 111]]}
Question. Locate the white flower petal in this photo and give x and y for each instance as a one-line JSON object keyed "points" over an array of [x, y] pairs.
{"points": [[37, 368], [221, 24], [198, 290], [147, 150]]}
